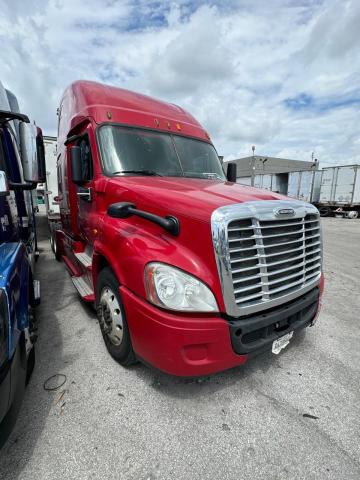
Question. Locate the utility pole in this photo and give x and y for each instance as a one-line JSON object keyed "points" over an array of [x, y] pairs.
{"points": [[252, 165]]}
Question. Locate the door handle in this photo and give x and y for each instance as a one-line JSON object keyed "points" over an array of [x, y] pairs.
{"points": [[85, 194]]}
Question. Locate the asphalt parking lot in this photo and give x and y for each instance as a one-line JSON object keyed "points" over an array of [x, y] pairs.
{"points": [[295, 415]]}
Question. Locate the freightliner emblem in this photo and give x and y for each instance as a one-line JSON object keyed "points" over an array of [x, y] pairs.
{"points": [[284, 212]]}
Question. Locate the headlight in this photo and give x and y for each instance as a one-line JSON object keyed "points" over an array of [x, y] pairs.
{"points": [[169, 287]]}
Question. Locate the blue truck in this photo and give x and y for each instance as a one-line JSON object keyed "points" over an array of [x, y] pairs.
{"points": [[22, 166]]}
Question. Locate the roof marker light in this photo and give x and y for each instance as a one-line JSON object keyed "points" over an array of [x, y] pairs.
{"points": [[156, 121], [168, 125], [178, 126], [109, 115]]}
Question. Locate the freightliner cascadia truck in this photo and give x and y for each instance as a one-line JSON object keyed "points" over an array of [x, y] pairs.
{"points": [[21, 151], [189, 272]]}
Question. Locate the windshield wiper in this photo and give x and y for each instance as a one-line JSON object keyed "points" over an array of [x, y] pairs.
{"points": [[205, 175], [213, 175], [139, 172]]}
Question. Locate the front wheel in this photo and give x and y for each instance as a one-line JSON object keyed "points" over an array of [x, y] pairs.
{"points": [[112, 319], [54, 245]]}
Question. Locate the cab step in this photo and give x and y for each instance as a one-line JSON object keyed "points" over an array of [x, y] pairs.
{"points": [[84, 258], [83, 287]]}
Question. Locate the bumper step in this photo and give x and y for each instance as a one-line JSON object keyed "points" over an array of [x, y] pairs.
{"points": [[84, 259], [83, 287]]}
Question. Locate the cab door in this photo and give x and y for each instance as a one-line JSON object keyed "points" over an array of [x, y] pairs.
{"points": [[87, 216]]}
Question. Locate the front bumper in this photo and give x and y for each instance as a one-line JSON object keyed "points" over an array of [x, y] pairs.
{"points": [[178, 344], [256, 333], [189, 346]]}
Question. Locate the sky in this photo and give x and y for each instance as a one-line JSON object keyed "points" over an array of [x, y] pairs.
{"points": [[281, 75]]}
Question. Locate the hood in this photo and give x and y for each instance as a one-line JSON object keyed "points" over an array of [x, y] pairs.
{"points": [[191, 197]]}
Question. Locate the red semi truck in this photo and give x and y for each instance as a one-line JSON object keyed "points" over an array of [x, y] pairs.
{"points": [[189, 271]]}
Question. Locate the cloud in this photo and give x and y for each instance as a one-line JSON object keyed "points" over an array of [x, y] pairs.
{"points": [[280, 75]]}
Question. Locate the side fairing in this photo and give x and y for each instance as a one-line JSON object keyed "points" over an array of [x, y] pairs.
{"points": [[14, 280]]}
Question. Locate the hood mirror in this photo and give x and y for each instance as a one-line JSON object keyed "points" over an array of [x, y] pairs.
{"points": [[231, 172], [75, 165], [40, 151], [33, 161]]}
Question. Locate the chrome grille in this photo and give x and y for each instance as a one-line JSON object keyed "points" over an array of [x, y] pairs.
{"points": [[272, 258]]}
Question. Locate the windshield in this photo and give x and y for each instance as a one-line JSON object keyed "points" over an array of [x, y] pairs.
{"points": [[134, 151]]}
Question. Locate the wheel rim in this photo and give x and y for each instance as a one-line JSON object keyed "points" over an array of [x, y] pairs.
{"points": [[110, 316]]}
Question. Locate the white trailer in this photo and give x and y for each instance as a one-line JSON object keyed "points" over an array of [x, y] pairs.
{"points": [[340, 191], [276, 182], [50, 188], [305, 185]]}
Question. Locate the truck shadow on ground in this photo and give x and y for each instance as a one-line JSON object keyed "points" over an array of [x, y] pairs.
{"points": [[50, 359]]}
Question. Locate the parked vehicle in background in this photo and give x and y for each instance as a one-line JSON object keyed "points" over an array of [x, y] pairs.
{"points": [[275, 182], [21, 167], [49, 190], [305, 185], [189, 271], [51, 186], [340, 191]]}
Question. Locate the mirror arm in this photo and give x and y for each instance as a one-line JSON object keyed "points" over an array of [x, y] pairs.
{"points": [[125, 210], [23, 186], [72, 139]]}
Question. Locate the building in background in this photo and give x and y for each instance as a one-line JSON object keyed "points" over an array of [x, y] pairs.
{"points": [[271, 173], [262, 165]]}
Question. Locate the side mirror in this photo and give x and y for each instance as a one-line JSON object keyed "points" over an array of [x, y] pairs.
{"points": [[75, 165], [231, 172], [28, 149], [40, 150], [4, 190]]}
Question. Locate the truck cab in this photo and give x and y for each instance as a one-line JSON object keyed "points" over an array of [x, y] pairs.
{"points": [[20, 151], [189, 271]]}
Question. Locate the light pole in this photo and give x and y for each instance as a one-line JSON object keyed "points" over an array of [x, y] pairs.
{"points": [[252, 165]]}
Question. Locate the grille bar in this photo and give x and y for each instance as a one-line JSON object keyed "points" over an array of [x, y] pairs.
{"points": [[254, 237], [274, 272], [294, 258], [270, 258]]}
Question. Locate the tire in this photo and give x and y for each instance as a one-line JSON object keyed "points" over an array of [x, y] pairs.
{"points": [[52, 243], [54, 246], [324, 211], [352, 214], [112, 318]]}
